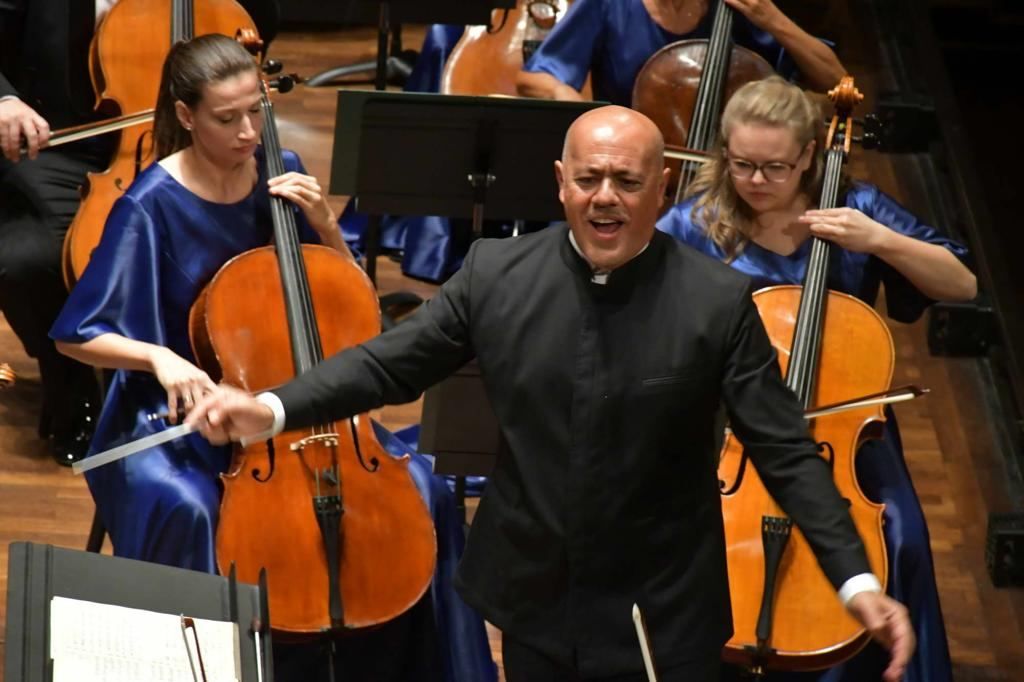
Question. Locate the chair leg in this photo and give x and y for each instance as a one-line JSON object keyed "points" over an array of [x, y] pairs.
{"points": [[96, 534]]}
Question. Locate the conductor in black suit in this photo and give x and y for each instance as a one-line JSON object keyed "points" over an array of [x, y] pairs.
{"points": [[605, 348], [45, 86]]}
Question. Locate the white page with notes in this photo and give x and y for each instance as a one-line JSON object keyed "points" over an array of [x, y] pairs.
{"points": [[91, 642]]}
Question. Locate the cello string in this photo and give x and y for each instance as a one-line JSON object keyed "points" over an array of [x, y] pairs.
{"points": [[290, 253], [709, 93], [820, 262]]}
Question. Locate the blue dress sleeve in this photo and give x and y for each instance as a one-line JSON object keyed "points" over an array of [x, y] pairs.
{"points": [[904, 302], [569, 50], [120, 290]]}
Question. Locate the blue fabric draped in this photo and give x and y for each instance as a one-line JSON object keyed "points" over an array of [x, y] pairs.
{"points": [[881, 468], [161, 245]]}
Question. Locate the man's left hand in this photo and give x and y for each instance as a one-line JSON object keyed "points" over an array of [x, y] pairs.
{"points": [[888, 622]]}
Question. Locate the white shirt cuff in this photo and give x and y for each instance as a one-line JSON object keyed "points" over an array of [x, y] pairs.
{"points": [[862, 582], [274, 403]]}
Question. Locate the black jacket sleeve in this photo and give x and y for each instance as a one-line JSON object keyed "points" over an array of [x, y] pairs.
{"points": [[391, 369], [768, 420]]}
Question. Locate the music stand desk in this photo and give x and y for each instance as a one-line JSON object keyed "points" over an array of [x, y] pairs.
{"points": [[459, 156], [36, 573]]}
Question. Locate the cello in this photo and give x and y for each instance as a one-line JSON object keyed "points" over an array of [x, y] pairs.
{"points": [[350, 542], [682, 86], [831, 347], [125, 59], [486, 63]]}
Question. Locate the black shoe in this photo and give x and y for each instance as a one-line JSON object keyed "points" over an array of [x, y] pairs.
{"points": [[69, 445]]}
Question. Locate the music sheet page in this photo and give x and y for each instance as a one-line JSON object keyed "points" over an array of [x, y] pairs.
{"points": [[92, 642]]}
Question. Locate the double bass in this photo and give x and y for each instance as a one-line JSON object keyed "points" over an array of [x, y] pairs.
{"points": [[683, 86], [125, 61], [831, 347], [345, 537]]}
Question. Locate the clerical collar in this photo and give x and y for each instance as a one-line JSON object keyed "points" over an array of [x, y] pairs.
{"points": [[598, 276]]}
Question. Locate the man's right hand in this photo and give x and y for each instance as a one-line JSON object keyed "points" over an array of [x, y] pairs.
{"points": [[18, 121], [228, 414]]}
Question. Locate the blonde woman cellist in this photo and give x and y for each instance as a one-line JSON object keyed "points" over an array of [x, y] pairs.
{"points": [[753, 207]]}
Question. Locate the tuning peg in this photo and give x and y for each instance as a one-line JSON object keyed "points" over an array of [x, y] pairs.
{"points": [[272, 66], [283, 84]]}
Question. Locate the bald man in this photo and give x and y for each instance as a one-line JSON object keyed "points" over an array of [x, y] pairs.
{"points": [[606, 348]]}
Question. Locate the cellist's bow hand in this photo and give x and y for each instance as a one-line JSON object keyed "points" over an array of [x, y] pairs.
{"points": [[19, 121], [184, 382], [888, 623], [228, 414]]}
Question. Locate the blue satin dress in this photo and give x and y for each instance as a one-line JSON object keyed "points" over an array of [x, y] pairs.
{"points": [[161, 245], [881, 468], [610, 38]]}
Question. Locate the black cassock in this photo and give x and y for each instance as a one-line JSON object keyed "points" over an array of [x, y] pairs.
{"points": [[606, 394]]}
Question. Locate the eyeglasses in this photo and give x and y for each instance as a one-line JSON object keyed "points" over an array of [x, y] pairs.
{"points": [[773, 171]]}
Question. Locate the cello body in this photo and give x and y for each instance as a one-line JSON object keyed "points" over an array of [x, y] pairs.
{"points": [[832, 348], [125, 61], [387, 534], [485, 63], [336, 521], [811, 628], [683, 86], [666, 87]]}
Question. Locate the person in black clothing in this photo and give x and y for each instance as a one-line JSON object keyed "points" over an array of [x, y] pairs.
{"points": [[45, 86], [606, 348]]}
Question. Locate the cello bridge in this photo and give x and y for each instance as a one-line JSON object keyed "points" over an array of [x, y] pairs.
{"points": [[328, 439]]}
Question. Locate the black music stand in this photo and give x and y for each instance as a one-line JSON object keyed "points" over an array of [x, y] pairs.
{"points": [[460, 430], [449, 155], [36, 573], [393, 63]]}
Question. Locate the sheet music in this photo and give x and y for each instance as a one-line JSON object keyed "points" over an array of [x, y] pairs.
{"points": [[92, 642]]}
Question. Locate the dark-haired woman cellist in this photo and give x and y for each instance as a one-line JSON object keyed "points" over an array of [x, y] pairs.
{"points": [[205, 201], [753, 206]]}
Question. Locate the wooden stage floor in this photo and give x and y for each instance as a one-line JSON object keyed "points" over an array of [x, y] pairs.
{"points": [[950, 450]]}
